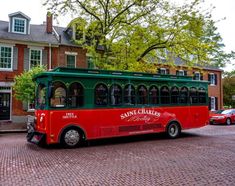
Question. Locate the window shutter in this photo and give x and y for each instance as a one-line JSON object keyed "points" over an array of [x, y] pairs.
{"points": [[44, 57], [159, 71], [177, 72], [167, 71], [185, 72], [201, 76], [209, 77], [26, 59], [15, 58], [194, 76], [209, 103], [216, 103], [215, 79]]}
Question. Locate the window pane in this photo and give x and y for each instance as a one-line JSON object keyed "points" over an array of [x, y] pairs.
{"points": [[101, 94], [71, 61], [35, 58], [174, 95], [58, 95], [115, 95], [153, 95], [76, 95], [184, 95], [194, 95], [129, 94], [19, 25], [142, 95], [202, 95], [5, 57], [165, 95]]}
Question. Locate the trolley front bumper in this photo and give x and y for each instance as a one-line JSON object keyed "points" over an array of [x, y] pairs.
{"points": [[32, 135]]}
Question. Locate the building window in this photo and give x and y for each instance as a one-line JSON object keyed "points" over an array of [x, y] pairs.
{"points": [[181, 73], [162, 71], [6, 58], [212, 78], [90, 62], [212, 103], [197, 76], [35, 58], [19, 25], [71, 61]]}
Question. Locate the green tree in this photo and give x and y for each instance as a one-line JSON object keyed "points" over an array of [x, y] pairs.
{"points": [[24, 86], [229, 88], [135, 31]]}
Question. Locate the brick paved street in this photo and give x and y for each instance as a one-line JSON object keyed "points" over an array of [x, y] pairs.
{"points": [[203, 156]]}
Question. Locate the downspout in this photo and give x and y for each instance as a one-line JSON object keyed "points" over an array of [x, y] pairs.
{"points": [[50, 56]]}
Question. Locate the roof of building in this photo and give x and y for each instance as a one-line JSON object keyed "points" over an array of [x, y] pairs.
{"points": [[37, 34], [19, 12]]}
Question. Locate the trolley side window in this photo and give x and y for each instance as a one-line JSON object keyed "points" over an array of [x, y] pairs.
{"points": [[58, 97]]}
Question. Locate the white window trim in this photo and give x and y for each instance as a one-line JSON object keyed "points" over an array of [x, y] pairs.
{"points": [[182, 72], [8, 69], [213, 106], [163, 69], [72, 54], [35, 48], [13, 25], [199, 75], [213, 83]]}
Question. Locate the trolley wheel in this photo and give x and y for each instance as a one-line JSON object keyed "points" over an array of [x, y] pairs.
{"points": [[71, 138], [173, 130], [228, 121]]}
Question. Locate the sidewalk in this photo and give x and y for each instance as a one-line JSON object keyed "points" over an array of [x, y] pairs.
{"points": [[9, 127]]}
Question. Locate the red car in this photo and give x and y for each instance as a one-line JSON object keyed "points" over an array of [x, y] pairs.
{"points": [[222, 117]]}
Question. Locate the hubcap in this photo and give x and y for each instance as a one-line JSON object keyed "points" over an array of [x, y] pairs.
{"points": [[228, 121], [71, 137], [173, 130]]}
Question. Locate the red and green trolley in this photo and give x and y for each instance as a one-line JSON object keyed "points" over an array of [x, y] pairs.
{"points": [[73, 105]]}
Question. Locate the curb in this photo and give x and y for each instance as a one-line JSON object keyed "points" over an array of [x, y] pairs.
{"points": [[14, 131]]}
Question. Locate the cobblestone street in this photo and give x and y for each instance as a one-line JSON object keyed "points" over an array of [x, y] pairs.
{"points": [[203, 156]]}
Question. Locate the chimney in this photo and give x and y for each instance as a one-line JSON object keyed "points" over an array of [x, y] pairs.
{"points": [[49, 23]]}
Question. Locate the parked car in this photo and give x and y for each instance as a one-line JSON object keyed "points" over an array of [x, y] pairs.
{"points": [[222, 117]]}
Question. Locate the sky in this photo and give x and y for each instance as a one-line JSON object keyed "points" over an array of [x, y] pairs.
{"points": [[37, 13]]}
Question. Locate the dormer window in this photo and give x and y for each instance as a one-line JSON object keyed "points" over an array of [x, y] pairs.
{"points": [[19, 25]]}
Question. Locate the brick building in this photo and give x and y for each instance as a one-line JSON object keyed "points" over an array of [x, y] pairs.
{"points": [[23, 45]]}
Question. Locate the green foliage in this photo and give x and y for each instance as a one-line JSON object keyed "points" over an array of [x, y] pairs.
{"points": [[24, 86], [229, 89], [133, 32]]}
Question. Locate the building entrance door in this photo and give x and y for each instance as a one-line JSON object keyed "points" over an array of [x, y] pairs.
{"points": [[5, 99]]}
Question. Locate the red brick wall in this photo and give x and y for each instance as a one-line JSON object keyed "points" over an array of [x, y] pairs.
{"points": [[81, 56], [213, 90]]}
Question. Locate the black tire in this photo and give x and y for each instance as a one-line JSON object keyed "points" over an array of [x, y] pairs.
{"points": [[228, 121], [173, 130], [71, 138]]}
